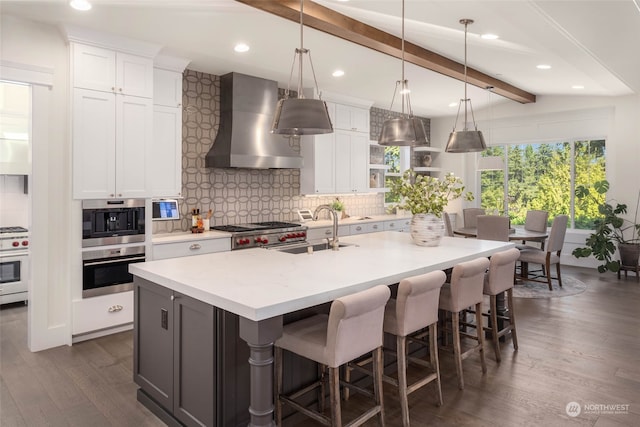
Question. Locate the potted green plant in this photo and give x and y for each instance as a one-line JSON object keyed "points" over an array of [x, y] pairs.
{"points": [[426, 197], [611, 229]]}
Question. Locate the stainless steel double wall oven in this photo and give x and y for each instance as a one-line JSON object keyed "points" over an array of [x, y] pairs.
{"points": [[111, 228]]}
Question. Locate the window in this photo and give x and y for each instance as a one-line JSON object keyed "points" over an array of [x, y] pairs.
{"points": [[397, 161], [544, 176]]}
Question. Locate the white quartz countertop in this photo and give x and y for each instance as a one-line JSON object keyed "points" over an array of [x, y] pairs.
{"points": [[260, 283]]}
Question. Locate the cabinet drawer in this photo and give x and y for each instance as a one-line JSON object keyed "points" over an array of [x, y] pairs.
{"points": [[92, 314], [188, 248], [397, 225], [324, 232], [369, 227]]}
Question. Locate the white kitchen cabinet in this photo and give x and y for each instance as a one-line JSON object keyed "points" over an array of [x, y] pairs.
{"points": [[351, 157], [165, 165], [111, 144], [319, 233], [107, 70], [348, 117], [366, 227], [190, 247], [107, 311], [397, 224], [167, 88], [335, 163]]}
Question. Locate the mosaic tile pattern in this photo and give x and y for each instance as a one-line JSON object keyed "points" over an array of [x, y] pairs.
{"points": [[238, 195]]}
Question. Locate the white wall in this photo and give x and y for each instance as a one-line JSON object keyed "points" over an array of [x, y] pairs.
{"points": [[28, 45], [552, 118]]}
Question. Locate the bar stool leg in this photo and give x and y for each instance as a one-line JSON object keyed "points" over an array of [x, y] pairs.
{"points": [[334, 391], [378, 367], [512, 318], [494, 326], [455, 326], [480, 334], [433, 357], [401, 350]]}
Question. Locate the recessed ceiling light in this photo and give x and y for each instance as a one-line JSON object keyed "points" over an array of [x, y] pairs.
{"points": [[338, 73], [577, 87], [490, 36], [241, 47], [543, 67], [80, 5]]}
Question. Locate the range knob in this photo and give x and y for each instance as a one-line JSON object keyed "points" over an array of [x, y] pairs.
{"points": [[15, 244], [25, 243]]}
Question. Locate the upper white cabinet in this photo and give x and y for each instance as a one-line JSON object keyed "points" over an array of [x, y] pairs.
{"points": [[338, 162], [352, 118], [165, 166], [108, 70]]}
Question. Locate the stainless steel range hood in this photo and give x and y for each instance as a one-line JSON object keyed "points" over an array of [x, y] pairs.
{"points": [[244, 140]]}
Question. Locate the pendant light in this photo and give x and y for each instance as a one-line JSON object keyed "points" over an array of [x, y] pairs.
{"points": [[404, 130], [301, 116], [465, 141]]}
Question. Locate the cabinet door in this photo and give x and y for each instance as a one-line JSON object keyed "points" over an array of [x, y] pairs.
{"points": [[93, 144], [134, 75], [165, 165], [318, 174], [359, 162], [343, 162], [153, 341], [351, 118], [194, 373], [94, 68], [167, 88], [134, 135]]}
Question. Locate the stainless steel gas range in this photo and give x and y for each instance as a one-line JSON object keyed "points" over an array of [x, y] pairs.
{"points": [[14, 264], [264, 234]]}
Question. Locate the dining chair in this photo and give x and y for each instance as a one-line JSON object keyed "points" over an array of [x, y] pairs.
{"points": [[493, 227], [465, 291], [352, 328], [545, 257], [447, 224], [469, 216], [498, 280], [536, 220]]}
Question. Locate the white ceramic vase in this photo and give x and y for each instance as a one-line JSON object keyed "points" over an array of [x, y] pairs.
{"points": [[426, 229]]}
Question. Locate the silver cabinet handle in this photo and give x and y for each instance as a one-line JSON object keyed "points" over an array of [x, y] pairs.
{"points": [[115, 308], [195, 247], [327, 232], [392, 225], [375, 227], [358, 228]]}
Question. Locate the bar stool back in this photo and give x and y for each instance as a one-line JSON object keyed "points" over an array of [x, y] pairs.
{"points": [[464, 291], [415, 308], [352, 329]]}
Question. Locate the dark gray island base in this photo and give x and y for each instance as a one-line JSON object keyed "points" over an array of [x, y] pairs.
{"points": [[193, 364]]}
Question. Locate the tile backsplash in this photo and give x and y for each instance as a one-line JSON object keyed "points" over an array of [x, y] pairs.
{"points": [[238, 195]]}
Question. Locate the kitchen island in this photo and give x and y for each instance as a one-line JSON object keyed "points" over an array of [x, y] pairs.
{"points": [[263, 285]]}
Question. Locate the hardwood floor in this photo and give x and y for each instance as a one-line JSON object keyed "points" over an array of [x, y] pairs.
{"points": [[583, 348]]}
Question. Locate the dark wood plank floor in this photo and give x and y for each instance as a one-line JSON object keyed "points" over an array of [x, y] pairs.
{"points": [[583, 348]]}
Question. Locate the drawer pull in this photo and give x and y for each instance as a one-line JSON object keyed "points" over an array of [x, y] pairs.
{"points": [[358, 228], [327, 232], [195, 247], [115, 308], [375, 227], [392, 225]]}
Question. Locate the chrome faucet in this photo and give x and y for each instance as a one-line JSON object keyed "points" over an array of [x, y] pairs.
{"points": [[334, 215]]}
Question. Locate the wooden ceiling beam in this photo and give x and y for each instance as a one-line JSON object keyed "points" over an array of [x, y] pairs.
{"points": [[331, 22]]}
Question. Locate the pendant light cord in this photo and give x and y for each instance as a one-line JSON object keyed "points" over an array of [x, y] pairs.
{"points": [[466, 22]]}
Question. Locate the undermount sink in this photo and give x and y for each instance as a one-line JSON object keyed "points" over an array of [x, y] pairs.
{"points": [[314, 248]]}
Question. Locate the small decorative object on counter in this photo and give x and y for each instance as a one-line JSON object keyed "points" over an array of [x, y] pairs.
{"points": [[197, 226], [338, 206]]}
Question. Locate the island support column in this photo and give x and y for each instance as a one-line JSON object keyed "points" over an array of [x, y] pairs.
{"points": [[260, 337]]}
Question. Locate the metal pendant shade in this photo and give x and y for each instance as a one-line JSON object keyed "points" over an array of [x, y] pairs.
{"points": [[465, 141], [301, 116], [404, 130]]}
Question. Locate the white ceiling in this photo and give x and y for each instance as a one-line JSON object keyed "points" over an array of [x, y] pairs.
{"points": [[595, 44]]}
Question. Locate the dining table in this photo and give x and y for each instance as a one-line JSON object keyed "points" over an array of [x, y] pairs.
{"points": [[515, 233]]}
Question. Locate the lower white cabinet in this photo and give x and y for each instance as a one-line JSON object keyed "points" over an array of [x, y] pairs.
{"points": [[366, 227], [320, 233], [190, 247], [397, 225], [106, 311]]}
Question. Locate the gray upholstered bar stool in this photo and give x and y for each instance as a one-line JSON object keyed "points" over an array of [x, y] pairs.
{"points": [[464, 291], [499, 279], [415, 308], [352, 329]]}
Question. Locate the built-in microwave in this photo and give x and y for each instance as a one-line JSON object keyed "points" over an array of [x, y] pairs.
{"points": [[106, 271], [112, 222]]}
